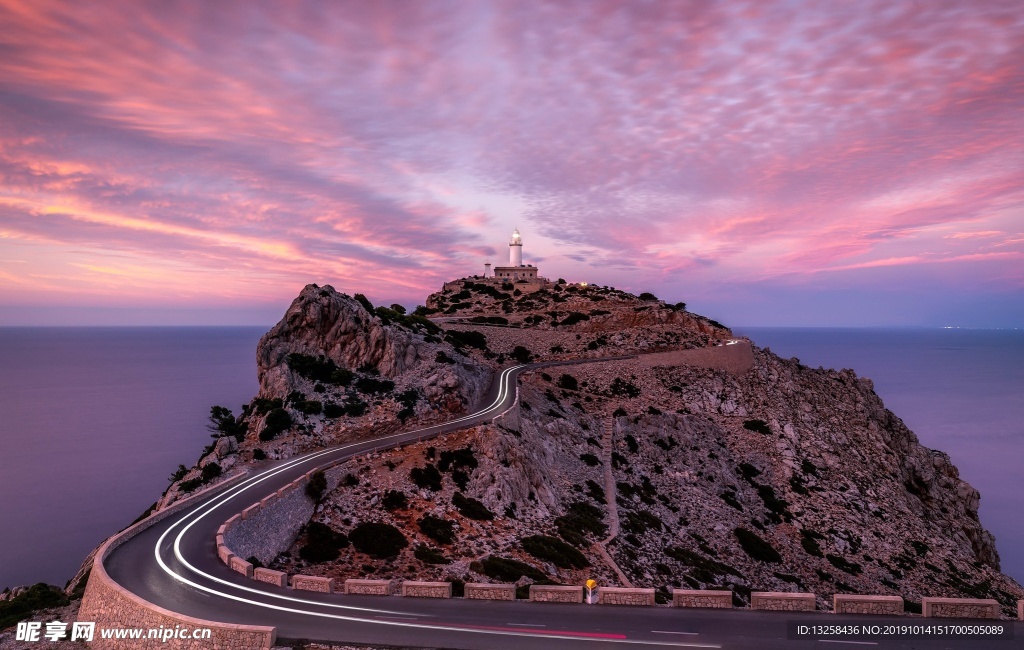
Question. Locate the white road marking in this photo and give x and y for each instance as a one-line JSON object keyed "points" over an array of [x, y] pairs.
{"points": [[245, 485]]}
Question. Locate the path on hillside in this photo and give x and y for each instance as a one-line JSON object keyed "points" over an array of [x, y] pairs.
{"points": [[607, 441]]}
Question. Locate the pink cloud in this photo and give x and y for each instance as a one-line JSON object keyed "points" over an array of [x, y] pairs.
{"points": [[735, 142]]}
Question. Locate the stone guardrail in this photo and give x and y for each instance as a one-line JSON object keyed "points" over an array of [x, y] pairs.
{"points": [[108, 604], [312, 583], [368, 587], [625, 596], [782, 601], [959, 608], [702, 598], [856, 604], [415, 589], [556, 594], [487, 591], [1020, 610]]}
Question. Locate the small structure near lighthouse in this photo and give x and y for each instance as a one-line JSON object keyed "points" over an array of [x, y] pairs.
{"points": [[516, 270]]}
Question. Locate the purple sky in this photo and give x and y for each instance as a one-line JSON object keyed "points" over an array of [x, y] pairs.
{"points": [[769, 163]]}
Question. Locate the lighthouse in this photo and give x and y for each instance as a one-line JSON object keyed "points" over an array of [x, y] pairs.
{"points": [[516, 271], [515, 249]]}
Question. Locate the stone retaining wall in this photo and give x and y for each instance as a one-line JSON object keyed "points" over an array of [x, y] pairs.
{"points": [[959, 608], [485, 591], [556, 594], [702, 598], [108, 604], [854, 604], [782, 601], [313, 583], [368, 587], [625, 596], [417, 589], [1020, 610], [264, 529]]}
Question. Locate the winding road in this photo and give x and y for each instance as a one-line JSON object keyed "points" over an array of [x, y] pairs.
{"points": [[173, 564]]}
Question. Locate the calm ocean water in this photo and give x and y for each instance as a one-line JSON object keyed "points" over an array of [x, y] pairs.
{"points": [[961, 391], [96, 419], [93, 422]]}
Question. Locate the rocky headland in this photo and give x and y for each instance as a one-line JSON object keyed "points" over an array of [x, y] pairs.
{"points": [[699, 461]]}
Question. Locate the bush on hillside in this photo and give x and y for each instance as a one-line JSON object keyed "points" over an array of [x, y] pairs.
{"points": [[440, 530], [470, 507], [378, 539], [756, 547], [278, 420], [554, 550], [509, 570]]}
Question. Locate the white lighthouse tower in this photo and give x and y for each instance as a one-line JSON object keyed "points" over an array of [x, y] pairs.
{"points": [[516, 271], [515, 249]]}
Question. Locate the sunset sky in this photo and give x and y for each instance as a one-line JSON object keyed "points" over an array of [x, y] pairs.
{"points": [[768, 163]]}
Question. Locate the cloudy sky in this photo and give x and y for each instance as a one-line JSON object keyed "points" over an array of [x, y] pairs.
{"points": [[769, 163]]}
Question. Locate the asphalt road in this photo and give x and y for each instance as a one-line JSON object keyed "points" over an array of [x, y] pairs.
{"points": [[173, 564]]}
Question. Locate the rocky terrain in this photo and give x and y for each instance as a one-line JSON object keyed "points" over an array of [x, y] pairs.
{"points": [[685, 465]]}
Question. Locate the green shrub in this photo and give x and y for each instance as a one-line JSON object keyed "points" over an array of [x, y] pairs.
{"points": [[443, 358], [580, 520], [568, 382], [310, 407], [759, 426], [595, 491], [457, 459], [365, 302], [521, 354], [189, 485], [509, 570], [333, 410], [590, 459], [355, 407], [38, 596], [620, 387], [317, 485], [632, 444], [470, 338], [648, 297], [730, 498], [178, 474], [554, 550], [278, 420], [574, 317], [394, 500], [210, 471], [223, 423], [378, 539], [374, 386], [471, 508], [323, 543], [702, 568], [427, 478], [640, 521], [756, 547], [259, 454], [428, 555], [440, 530]]}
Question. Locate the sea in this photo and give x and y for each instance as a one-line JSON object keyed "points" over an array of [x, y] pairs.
{"points": [[93, 421]]}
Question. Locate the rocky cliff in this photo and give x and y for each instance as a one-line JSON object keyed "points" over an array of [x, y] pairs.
{"points": [[698, 461]]}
